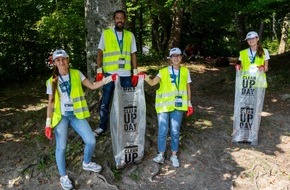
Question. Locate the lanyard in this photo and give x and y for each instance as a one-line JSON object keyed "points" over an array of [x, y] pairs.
{"points": [[176, 84], [120, 42], [254, 57], [66, 85]]}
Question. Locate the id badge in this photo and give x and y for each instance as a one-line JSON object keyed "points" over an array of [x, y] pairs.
{"points": [[121, 63], [68, 109], [178, 101], [253, 69]]}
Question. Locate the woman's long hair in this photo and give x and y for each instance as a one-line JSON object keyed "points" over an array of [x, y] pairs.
{"points": [[260, 50], [54, 80]]}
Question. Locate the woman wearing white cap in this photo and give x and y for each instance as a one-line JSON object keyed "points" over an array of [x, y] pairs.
{"points": [[250, 90], [173, 98], [255, 57], [67, 105]]}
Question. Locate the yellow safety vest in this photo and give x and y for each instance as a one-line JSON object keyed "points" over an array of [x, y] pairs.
{"points": [[112, 52], [81, 110], [167, 92], [246, 62]]}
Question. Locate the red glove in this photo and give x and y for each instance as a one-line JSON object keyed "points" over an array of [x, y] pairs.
{"points": [[99, 76], [135, 77], [114, 76], [261, 68], [48, 133], [238, 67], [190, 109]]}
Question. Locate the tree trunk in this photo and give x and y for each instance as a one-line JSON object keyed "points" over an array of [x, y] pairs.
{"points": [[176, 28], [284, 34], [261, 29], [240, 30], [98, 16]]}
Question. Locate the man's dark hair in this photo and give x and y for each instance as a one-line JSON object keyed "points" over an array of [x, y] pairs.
{"points": [[119, 11]]}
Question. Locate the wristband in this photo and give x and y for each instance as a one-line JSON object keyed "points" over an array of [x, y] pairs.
{"points": [[135, 72], [48, 122], [100, 70], [189, 104]]}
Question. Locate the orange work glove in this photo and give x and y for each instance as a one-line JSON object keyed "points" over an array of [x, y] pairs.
{"points": [[190, 110], [135, 77], [99, 75], [47, 131]]}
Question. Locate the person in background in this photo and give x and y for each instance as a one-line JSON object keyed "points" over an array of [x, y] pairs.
{"points": [[255, 57], [67, 106], [116, 54], [173, 98]]}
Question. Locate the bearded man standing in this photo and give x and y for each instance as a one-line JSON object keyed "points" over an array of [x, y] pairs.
{"points": [[116, 54]]}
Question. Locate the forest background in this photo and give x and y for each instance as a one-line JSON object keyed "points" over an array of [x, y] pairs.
{"points": [[31, 29]]}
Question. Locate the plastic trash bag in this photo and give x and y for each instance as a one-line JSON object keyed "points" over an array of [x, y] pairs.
{"points": [[249, 99], [128, 123]]}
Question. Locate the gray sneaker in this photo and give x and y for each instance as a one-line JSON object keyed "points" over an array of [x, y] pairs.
{"points": [[92, 166], [159, 159], [65, 183], [175, 162], [98, 131]]}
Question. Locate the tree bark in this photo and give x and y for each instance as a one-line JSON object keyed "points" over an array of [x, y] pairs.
{"points": [[240, 29], [284, 34]]}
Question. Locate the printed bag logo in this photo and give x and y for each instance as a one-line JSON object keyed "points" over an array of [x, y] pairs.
{"points": [[248, 85], [131, 153], [130, 118], [246, 118]]}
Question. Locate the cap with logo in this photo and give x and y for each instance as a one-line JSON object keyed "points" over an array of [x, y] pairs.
{"points": [[251, 34], [59, 53], [174, 51]]}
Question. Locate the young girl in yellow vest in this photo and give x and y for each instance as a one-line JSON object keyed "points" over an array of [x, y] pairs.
{"points": [[67, 106], [173, 98], [255, 57]]}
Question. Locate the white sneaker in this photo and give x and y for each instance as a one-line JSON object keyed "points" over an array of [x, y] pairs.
{"points": [[92, 166], [65, 183], [159, 159], [98, 131], [175, 161]]}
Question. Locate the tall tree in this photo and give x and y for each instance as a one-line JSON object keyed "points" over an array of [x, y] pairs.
{"points": [[284, 34]]}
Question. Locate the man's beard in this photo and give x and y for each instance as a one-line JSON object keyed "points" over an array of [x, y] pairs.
{"points": [[119, 27]]}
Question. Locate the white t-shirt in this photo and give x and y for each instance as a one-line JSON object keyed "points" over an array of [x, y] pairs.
{"points": [[63, 85], [176, 72], [253, 54], [133, 50]]}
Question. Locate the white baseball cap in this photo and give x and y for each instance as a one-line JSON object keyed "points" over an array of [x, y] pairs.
{"points": [[174, 51], [59, 53], [251, 34]]}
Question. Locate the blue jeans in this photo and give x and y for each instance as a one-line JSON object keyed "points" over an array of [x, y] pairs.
{"points": [[172, 121], [82, 127], [108, 91]]}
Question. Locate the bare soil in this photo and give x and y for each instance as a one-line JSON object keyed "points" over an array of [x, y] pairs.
{"points": [[208, 158]]}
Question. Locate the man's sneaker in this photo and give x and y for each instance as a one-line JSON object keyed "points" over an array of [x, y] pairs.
{"points": [[65, 183], [92, 166], [175, 161], [98, 131], [159, 159]]}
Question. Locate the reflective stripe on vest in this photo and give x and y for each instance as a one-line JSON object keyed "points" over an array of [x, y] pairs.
{"points": [[112, 53], [167, 92], [81, 110], [246, 62]]}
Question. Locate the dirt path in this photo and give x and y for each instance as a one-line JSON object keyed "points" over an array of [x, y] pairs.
{"points": [[208, 158]]}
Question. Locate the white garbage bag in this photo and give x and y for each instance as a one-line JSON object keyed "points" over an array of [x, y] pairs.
{"points": [[128, 123], [249, 99]]}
